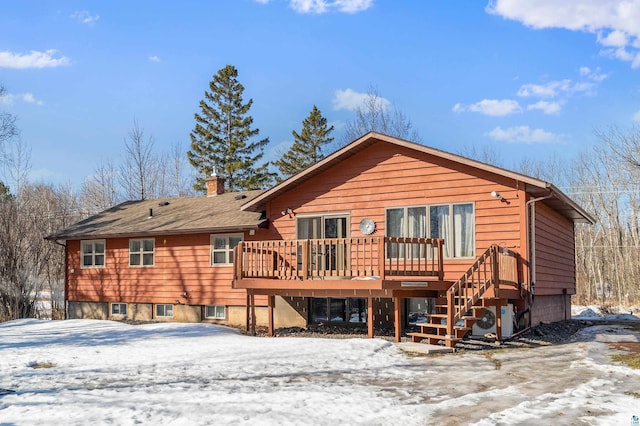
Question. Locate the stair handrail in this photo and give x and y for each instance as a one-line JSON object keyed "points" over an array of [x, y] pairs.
{"points": [[485, 270]]}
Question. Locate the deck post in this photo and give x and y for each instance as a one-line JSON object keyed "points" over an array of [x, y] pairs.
{"points": [[382, 243], [397, 318], [248, 318], [253, 313], [237, 260], [498, 323], [370, 317], [440, 260], [495, 265], [305, 259], [450, 312], [271, 303]]}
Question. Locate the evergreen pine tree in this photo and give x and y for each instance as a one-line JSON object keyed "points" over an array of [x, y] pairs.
{"points": [[307, 146], [220, 141]]}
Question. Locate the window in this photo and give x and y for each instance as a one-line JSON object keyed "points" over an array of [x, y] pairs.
{"points": [[118, 309], [331, 309], [92, 254], [164, 311], [141, 252], [452, 222], [215, 311], [222, 248]]}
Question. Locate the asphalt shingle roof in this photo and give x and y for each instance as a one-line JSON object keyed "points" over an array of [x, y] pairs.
{"points": [[185, 215]]}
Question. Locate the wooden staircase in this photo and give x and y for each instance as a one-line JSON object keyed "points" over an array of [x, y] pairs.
{"points": [[459, 307]]}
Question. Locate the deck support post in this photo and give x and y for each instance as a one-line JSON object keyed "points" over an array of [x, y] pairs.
{"points": [[370, 317], [397, 318], [271, 304], [252, 303], [498, 323], [248, 318]]}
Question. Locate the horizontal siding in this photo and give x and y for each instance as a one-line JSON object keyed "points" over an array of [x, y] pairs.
{"points": [[182, 265], [555, 252], [383, 176]]}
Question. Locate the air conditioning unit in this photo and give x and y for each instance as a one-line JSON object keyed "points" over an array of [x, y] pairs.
{"points": [[487, 323]]}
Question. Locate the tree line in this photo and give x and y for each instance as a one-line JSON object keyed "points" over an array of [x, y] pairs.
{"points": [[604, 180]]}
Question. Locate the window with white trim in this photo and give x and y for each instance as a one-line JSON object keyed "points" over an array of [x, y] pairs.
{"points": [[454, 223], [222, 248], [92, 253], [141, 252], [118, 309], [164, 311], [215, 312]]}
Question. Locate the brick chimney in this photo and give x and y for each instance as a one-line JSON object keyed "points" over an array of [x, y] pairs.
{"points": [[215, 185]]}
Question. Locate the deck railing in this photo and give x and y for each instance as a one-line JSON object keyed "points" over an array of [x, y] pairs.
{"points": [[373, 257], [496, 268]]}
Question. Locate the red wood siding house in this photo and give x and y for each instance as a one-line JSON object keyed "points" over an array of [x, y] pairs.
{"points": [[379, 229]]}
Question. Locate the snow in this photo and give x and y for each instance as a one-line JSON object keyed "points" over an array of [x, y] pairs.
{"points": [[104, 372], [595, 313]]}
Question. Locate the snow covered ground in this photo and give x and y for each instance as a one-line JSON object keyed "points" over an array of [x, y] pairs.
{"points": [[81, 372]]}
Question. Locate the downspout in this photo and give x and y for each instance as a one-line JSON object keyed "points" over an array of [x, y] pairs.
{"points": [[531, 247], [66, 278]]}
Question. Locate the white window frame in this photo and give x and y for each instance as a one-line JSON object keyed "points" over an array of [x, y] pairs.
{"points": [[217, 309], [142, 252], [93, 253], [450, 239], [119, 305], [227, 250], [164, 314]]}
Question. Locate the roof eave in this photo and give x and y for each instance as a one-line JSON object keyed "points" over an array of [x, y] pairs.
{"points": [[155, 233]]}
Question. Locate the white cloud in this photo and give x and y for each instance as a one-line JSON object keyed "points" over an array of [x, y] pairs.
{"points": [[84, 17], [154, 58], [636, 116], [523, 134], [10, 99], [615, 22], [33, 59], [613, 39], [594, 75], [547, 90], [554, 89], [546, 107], [351, 100], [492, 107], [353, 6], [324, 6]]}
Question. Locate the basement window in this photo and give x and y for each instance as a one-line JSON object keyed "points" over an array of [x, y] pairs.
{"points": [[215, 312], [352, 310], [119, 309], [164, 311]]}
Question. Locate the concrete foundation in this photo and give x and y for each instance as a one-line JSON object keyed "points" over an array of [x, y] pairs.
{"points": [[550, 309]]}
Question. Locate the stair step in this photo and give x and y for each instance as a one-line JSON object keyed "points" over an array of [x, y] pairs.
{"points": [[433, 339], [442, 326]]}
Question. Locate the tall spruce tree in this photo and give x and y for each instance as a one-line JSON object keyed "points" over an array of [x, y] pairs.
{"points": [[307, 146], [220, 141]]}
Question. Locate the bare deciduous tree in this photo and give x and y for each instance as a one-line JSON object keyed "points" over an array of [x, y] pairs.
{"points": [[32, 269], [139, 170], [374, 116], [100, 190], [8, 128], [608, 253]]}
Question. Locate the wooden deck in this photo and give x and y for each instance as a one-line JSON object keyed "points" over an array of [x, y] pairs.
{"points": [[374, 267], [365, 262]]}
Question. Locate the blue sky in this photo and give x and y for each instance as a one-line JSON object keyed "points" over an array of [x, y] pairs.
{"points": [[528, 78]]}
